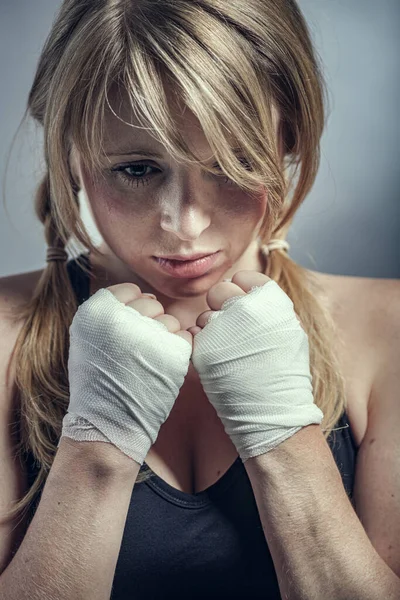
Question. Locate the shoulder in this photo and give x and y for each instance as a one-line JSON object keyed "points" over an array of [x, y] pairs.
{"points": [[361, 301], [366, 313], [369, 306], [15, 289], [371, 302], [345, 290]]}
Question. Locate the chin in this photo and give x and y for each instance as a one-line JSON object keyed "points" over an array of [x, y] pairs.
{"points": [[179, 289]]}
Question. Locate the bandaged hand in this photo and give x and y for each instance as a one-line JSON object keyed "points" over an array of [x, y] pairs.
{"points": [[125, 369], [252, 358]]}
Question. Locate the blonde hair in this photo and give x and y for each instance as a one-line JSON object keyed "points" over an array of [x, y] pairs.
{"points": [[232, 63]]}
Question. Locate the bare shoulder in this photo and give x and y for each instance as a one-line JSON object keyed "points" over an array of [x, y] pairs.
{"points": [[371, 302], [346, 290], [366, 313], [16, 288]]}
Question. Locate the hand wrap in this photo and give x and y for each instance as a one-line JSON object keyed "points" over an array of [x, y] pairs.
{"points": [[252, 358], [125, 372]]}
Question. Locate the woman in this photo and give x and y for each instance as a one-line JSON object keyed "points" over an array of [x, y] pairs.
{"points": [[193, 129]]}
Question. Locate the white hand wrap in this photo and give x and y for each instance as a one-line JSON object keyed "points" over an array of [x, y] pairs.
{"points": [[125, 372], [252, 358]]}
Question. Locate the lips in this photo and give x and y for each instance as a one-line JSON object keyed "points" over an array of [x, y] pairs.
{"points": [[187, 268], [184, 257]]}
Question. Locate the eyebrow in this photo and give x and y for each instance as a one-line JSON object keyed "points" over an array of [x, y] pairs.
{"points": [[142, 152], [127, 152]]}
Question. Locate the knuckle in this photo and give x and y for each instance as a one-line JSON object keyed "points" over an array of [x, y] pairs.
{"points": [[157, 305], [169, 321], [147, 306], [125, 289]]}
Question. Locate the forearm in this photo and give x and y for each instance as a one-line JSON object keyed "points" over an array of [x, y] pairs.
{"points": [[318, 545], [71, 547]]}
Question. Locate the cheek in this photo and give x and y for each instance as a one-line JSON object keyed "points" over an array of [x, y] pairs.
{"points": [[122, 230], [248, 208], [114, 210]]}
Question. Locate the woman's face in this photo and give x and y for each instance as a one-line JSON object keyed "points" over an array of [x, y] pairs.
{"points": [[149, 206]]}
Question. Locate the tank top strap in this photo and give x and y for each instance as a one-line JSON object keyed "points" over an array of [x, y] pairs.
{"points": [[344, 431], [344, 450]]}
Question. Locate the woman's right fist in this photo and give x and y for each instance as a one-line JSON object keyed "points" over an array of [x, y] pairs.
{"points": [[127, 362], [131, 295]]}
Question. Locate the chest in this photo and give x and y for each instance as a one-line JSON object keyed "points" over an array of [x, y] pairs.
{"points": [[193, 451]]}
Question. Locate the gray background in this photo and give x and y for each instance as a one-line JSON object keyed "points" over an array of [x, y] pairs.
{"points": [[349, 223]]}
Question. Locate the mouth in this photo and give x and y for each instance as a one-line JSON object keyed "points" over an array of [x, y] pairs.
{"points": [[186, 257], [187, 269]]}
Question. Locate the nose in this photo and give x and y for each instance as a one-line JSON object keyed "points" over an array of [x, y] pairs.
{"points": [[185, 217]]}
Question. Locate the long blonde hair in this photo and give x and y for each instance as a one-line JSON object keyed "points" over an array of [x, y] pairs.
{"points": [[230, 62]]}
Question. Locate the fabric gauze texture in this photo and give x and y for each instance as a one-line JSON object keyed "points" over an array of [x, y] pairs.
{"points": [[125, 372], [252, 358]]}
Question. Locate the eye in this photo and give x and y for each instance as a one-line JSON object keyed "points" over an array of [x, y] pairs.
{"points": [[139, 178]]}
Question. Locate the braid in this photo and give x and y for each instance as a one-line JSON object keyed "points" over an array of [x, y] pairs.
{"points": [[45, 211], [41, 384]]}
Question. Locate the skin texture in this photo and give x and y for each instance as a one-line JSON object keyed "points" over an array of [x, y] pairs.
{"points": [[173, 209]]}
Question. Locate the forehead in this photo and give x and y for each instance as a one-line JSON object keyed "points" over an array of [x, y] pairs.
{"points": [[122, 128], [121, 125]]}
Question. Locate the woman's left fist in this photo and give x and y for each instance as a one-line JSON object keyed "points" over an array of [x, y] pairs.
{"points": [[242, 283], [252, 357]]}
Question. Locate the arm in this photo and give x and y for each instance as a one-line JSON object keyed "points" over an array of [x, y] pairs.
{"points": [[318, 545], [71, 547]]}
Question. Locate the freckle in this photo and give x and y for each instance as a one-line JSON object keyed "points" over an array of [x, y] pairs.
{"points": [[390, 547], [372, 441], [218, 472], [392, 495]]}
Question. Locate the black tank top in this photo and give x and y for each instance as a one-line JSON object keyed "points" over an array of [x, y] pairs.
{"points": [[204, 545]]}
